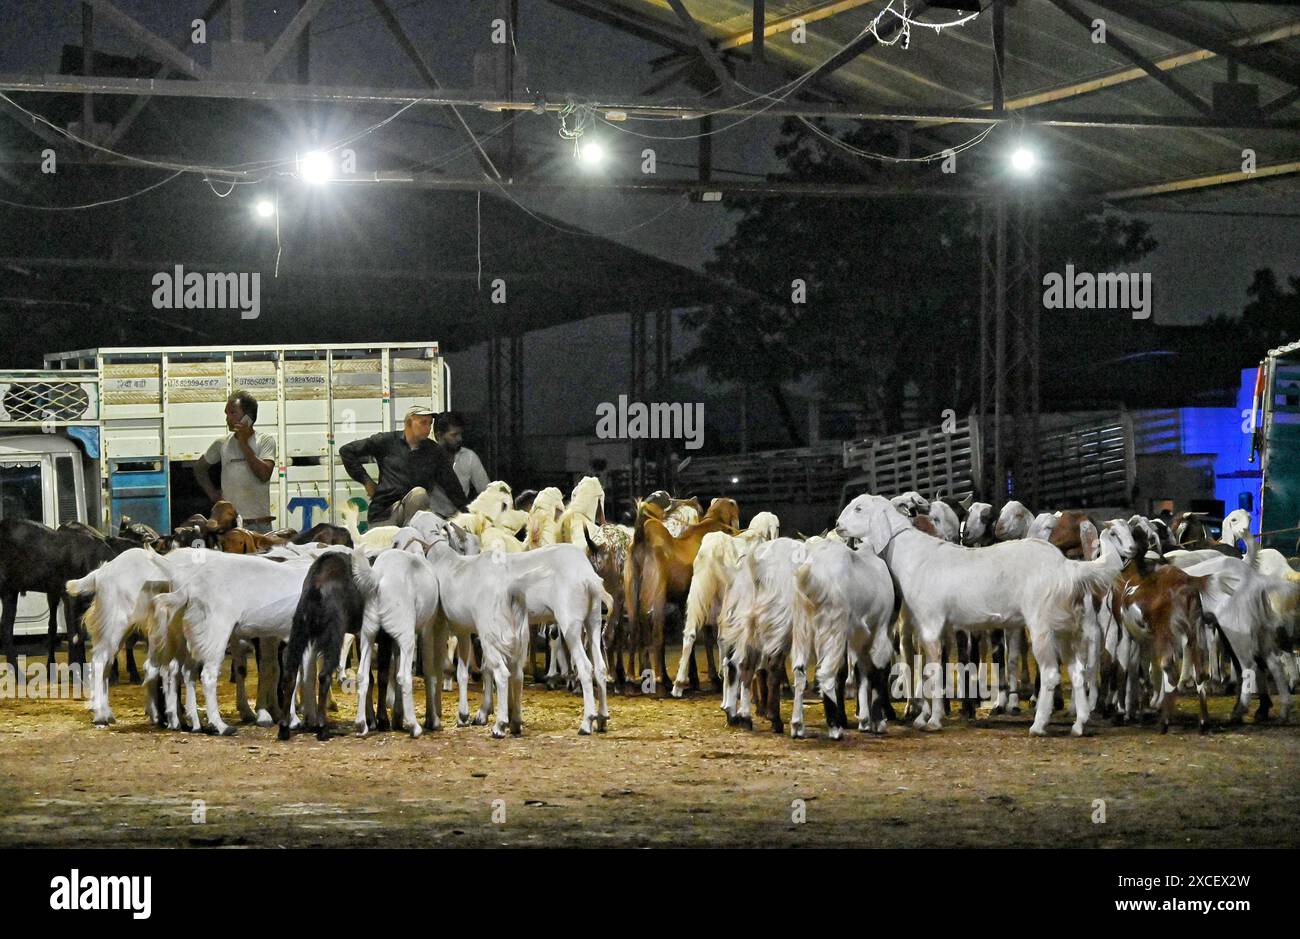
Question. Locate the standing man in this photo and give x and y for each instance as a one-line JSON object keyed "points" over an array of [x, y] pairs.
{"points": [[247, 460], [449, 431], [410, 467]]}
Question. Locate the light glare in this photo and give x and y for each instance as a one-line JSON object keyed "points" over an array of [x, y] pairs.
{"points": [[315, 167]]}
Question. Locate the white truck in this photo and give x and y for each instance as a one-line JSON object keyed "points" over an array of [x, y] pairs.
{"points": [[101, 433]]}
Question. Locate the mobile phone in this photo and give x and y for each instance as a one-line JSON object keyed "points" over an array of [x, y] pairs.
{"points": [[246, 420]]}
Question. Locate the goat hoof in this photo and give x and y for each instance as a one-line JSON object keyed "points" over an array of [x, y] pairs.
{"points": [[322, 735], [1235, 720], [999, 709], [1164, 727], [283, 733], [480, 719], [778, 727], [1077, 731], [1263, 717], [835, 733], [600, 724], [796, 731], [265, 721], [498, 733], [462, 718], [745, 722], [516, 730], [1205, 728], [1037, 731], [677, 691], [360, 728]]}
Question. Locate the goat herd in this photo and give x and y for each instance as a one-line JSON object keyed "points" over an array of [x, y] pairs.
{"points": [[1131, 609]]}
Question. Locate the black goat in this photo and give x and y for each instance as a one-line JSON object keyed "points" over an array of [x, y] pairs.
{"points": [[332, 603], [35, 557]]}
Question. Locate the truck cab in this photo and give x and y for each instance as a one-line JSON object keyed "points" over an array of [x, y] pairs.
{"points": [[42, 478]]}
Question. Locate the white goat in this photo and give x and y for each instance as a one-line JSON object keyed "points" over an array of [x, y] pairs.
{"points": [[713, 570], [1013, 522], [544, 518], [569, 595], [585, 514], [758, 632], [1247, 605], [210, 599], [848, 600], [1006, 586]]}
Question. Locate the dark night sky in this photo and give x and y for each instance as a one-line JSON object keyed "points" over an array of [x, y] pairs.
{"points": [[1201, 267]]}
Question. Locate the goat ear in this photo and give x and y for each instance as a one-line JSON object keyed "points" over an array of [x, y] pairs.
{"points": [[968, 501]]}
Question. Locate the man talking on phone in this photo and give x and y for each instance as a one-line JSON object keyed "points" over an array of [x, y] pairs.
{"points": [[247, 460]]}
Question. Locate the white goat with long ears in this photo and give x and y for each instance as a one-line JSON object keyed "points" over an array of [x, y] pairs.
{"points": [[566, 591], [544, 518], [585, 514], [848, 600], [1248, 606], [712, 573], [1009, 585], [911, 503], [1013, 522]]}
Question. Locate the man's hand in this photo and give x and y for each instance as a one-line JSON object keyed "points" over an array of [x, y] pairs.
{"points": [[370, 488], [243, 432]]}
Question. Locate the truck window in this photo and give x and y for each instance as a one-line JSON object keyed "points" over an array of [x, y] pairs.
{"points": [[20, 490], [66, 483]]}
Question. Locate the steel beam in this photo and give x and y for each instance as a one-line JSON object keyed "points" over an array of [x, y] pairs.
{"points": [[160, 46], [426, 74], [140, 103], [1261, 62], [1204, 182], [1151, 68], [784, 24], [276, 54], [632, 106], [702, 46]]}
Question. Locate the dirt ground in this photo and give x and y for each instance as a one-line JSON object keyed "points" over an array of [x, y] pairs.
{"points": [[668, 773]]}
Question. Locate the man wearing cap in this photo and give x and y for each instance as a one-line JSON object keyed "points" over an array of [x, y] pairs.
{"points": [[410, 467]]}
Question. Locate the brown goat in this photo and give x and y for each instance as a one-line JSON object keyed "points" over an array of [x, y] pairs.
{"points": [[658, 572], [1160, 609]]}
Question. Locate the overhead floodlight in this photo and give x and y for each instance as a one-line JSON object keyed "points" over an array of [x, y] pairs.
{"points": [[264, 208], [1024, 160], [735, 480], [315, 167], [591, 154]]}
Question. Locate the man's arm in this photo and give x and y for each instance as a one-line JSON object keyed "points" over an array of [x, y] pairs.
{"points": [[354, 456], [200, 468], [478, 477], [261, 468], [444, 474]]}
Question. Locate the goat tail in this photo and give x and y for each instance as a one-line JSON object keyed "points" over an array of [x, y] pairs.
{"points": [[362, 574], [83, 586], [350, 515]]}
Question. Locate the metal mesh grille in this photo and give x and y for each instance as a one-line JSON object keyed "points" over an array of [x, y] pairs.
{"points": [[44, 401]]}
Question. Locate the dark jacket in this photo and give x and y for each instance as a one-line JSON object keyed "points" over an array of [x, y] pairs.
{"points": [[401, 469]]}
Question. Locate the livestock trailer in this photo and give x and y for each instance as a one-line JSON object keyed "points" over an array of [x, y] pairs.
{"points": [[1276, 441], [102, 433]]}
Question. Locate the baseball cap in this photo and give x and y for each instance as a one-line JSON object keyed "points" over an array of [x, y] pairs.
{"points": [[419, 410]]}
